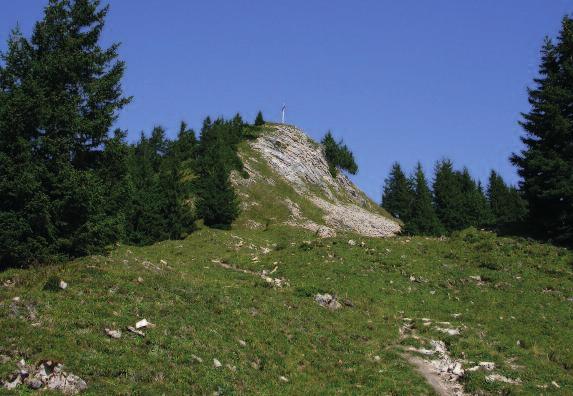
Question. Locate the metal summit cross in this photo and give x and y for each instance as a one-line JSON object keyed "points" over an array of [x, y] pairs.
{"points": [[283, 113]]}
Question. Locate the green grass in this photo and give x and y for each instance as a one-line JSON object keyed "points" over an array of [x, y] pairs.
{"points": [[202, 309]]}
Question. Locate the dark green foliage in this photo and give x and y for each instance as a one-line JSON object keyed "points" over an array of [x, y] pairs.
{"points": [[398, 193], [507, 206], [218, 204], [60, 93], [159, 170], [448, 196], [546, 163], [459, 201], [338, 155], [423, 219], [259, 120], [477, 212]]}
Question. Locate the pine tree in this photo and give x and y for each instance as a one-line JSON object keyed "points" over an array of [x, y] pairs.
{"points": [[448, 196], [338, 155], [218, 204], [546, 163], [423, 219], [507, 206], [259, 120], [476, 211], [398, 193], [61, 93]]}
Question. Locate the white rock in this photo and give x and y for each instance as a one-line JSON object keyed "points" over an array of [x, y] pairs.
{"points": [[352, 242], [242, 343], [113, 333], [197, 358], [143, 323], [283, 378], [63, 285], [328, 301], [216, 363], [501, 378]]}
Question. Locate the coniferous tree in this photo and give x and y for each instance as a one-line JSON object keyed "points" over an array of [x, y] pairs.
{"points": [[476, 211], [423, 219], [259, 120], [398, 193], [61, 92], [218, 203], [448, 196], [507, 206], [338, 155], [546, 163]]}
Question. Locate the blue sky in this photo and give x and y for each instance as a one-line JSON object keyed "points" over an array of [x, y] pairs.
{"points": [[397, 80]]}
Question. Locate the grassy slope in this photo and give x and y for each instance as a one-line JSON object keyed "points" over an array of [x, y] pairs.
{"points": [[203, 309]]}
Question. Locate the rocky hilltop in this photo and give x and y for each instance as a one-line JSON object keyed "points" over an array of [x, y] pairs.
{"points": [[287, 168]]}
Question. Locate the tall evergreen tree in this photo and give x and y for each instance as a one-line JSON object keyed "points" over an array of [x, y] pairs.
{"points": [[507, 206], [259, 120], [423, 219], [476, 211], [61, 93], [448, 196], [338, 155], [398, 193], [218, 204], [546, 163]]}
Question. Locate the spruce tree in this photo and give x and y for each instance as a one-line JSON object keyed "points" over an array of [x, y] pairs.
{"points": [[546, 163], [218, 203], [448, 196], [476, 211], [398, 193], [338, 155], [423, 219], [259, 120], [507, 206], [61, 93]]}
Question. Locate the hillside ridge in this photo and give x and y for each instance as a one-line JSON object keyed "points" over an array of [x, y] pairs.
{"points": [[284, 152]]}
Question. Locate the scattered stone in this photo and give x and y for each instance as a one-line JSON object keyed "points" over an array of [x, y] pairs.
{"points": [[377, 358], [135, 331], [139, 279], [143, 323], [327, 300], [63, 285], [487, 366], [242, 343], [47, 375], [113, 333], [452, 332], [197, 358], [283, 378], [325, 232], [476, 277], [9, 283], [501, 378], [163, 262], [555, 384], [16, 299], [351, 242], [217, 363]]}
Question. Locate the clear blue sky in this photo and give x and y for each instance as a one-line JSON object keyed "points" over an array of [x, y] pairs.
{"points": [[398, 80]]}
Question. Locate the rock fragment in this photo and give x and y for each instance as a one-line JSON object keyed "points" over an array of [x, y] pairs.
{"points": [[328, 301], [217, 363], [113, 333]]}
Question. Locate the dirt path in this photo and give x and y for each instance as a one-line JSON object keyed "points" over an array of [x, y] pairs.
{"points": [[433, 378]]}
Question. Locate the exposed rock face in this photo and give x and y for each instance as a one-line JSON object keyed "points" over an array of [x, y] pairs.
{"points": [[301, 162]]}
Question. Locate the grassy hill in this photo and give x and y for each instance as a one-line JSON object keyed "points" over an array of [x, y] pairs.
{"points": [[278, 340], [411, 311]]}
